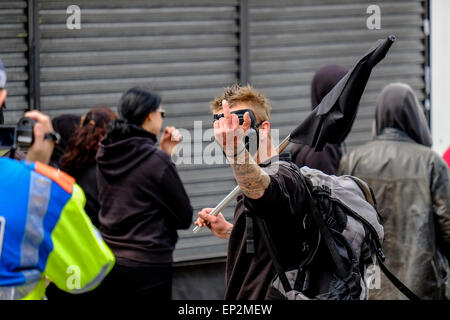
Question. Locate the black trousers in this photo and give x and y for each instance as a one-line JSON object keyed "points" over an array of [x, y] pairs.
{"points": [[149, 282], [138, 282]]}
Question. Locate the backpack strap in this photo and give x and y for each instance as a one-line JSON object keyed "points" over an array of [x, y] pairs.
{"points": [[368, 194], [250, 241], [396, 282], [301, 275], [273, 253], [366, 190]]}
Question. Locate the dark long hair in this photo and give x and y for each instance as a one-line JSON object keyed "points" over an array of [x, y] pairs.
{"points": [[82, 147], [65, 125]]}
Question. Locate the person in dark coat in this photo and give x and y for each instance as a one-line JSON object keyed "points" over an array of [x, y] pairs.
{"points": [[327, 160], [142, 199], [411, 183], [78, 160]]}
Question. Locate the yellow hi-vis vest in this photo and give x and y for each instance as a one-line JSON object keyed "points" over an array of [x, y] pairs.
{"points": [[45, 234]]}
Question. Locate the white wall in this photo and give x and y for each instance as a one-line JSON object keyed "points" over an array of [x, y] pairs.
{"points": [[440, 74]]}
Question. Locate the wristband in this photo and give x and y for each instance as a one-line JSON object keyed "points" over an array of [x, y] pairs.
{"points": [[54, 136], [238, 153], [235, 154]]}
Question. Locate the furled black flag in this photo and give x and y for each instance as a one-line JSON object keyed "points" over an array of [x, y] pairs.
{"points": [[332, 119]]}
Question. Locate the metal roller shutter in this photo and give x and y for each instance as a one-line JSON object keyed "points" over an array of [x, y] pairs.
{"points": [[188, 50], [14, 53], [290, 40], [185, 50]]}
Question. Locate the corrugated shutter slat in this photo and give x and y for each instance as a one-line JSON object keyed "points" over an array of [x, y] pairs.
{"points": [[291, 40], [14, 54], [185, 50]]}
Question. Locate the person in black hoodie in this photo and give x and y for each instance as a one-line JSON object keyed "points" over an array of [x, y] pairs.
{"points": [[327, 160], [142, 199]]}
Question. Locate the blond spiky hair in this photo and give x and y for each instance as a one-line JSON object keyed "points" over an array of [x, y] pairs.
{"points": [[237, 94]]}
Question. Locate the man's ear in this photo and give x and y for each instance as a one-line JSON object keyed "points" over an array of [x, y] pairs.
{"points": [[3, 94], [264, 129]]}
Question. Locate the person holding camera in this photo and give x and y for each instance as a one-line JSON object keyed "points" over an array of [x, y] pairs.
{"points": [[45, 235], [142, 199]]}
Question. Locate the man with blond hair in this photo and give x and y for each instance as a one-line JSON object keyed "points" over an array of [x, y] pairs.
{"points": [[269, 190]]}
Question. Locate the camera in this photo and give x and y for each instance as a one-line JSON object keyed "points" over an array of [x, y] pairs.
{"points": [[19, 136]]}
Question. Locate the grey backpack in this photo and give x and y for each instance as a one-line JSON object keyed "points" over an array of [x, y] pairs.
{"points": [[345, 229]]}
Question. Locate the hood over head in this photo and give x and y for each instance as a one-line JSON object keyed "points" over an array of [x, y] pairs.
{"points": [[324, 80], [124, 146], [399, 108]]}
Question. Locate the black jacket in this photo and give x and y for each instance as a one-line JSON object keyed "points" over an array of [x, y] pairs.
{"points": [[326, 161], [143, 201], [249, 275], [86, 178]]}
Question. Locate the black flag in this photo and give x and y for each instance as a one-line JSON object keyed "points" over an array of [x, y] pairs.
{"points": [[332, 119]]}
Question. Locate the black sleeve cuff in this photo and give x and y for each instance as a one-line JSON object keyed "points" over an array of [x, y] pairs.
{"points": [[269, 198]]}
